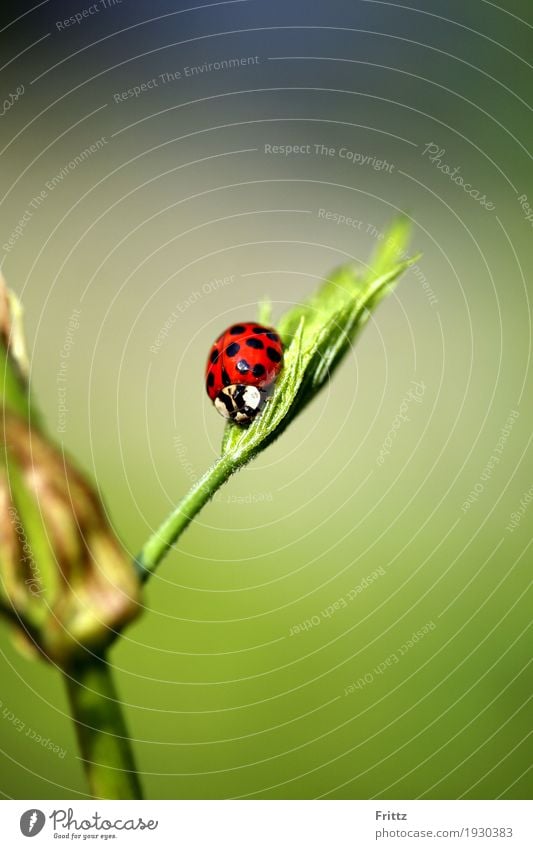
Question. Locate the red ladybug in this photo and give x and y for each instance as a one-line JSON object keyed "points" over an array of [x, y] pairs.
{"points": [[243, 362]]}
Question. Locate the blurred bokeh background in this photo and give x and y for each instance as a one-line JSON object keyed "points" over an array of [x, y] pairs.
{"points": [[143, 208]]}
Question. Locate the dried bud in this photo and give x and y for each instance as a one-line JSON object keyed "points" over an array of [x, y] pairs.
{"points": [[65, 580]]}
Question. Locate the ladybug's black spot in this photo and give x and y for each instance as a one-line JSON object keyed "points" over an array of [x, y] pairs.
{"points": [[273, 355], [243, 366], [273, 336], [233, 349], [258, 329], [254, 343], [214, 355], [210, 379], [225, 377], [258, 370], [236, 329]]}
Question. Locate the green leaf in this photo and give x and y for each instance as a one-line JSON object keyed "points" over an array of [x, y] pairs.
{"points": [[13, 390], [317, 335]]}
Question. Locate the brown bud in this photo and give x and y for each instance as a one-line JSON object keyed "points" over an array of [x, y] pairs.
{"points": [[65, 580]]}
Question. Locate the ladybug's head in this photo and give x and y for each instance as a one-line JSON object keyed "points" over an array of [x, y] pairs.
{"points": [[239, 402]]}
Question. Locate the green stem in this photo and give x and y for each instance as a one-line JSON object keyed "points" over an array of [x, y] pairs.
{"points": [[101, 730], [174, 525]]}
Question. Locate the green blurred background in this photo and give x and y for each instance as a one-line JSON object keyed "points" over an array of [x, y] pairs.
{"points": [[177, 226]]}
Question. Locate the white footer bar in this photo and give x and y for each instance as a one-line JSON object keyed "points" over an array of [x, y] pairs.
{"points": [[267, 824]]}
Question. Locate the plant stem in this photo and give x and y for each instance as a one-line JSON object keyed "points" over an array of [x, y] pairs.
{"points": [[317, 335], [101, 730], [174, 525]]}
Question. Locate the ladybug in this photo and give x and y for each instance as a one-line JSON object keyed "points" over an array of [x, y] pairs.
{"points": [[242, 364]]}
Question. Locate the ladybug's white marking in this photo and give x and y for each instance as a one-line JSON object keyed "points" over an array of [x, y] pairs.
{"points": [[239, 402]]}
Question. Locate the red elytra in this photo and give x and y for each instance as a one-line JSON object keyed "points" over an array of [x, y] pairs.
{"points": [[247, 354]]}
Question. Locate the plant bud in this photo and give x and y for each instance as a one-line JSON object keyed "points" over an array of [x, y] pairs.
{"points": [[65, 580]]}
